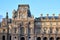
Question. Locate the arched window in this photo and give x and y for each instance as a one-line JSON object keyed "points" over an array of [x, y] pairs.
{"points": [[51, 38], [45, 38], [38, 38], [22, 38], [3, 37], [58, 38]]}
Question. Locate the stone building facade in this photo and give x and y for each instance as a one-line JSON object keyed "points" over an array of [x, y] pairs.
{"points": [[23, 26]]}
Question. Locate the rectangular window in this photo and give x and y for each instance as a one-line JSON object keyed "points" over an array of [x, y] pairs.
{"points": [[51, 31], [15, 30], [22, 30]]}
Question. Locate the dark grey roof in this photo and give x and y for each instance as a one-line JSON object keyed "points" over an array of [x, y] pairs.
{"points": [[56, 17], [29, 13], [50, 17]]}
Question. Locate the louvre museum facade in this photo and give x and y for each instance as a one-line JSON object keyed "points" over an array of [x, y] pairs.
{"points": [[23, 26]]}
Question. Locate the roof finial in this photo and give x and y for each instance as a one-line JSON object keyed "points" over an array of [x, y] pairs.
{"points": [[59, 15], [47, 15], [41, 15], [53, 15], [6, 15]]}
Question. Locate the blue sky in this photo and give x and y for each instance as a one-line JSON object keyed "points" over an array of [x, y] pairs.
{"points": [[36, 6]]}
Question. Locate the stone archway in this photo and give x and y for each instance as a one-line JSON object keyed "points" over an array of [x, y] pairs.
{"points": [[45, 38], [58, 38], [51, 38], [3, 37], [38, 38], [22, 38]]}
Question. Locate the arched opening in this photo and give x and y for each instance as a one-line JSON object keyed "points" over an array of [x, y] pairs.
{"points": [[58, 38], [10, 37], [51, 38], [22, 38], [3, 37], [45, 38], [38, 38]]}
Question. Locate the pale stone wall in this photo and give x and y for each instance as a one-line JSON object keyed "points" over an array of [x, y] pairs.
{"points": [[24, 26]]}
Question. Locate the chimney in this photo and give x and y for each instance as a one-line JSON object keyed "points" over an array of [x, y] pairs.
{"points": [[47, 16]]}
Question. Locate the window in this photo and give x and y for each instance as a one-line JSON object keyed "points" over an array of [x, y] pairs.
{"points": [[3, 30], [14, 16], [20, 15], [29, 30], [22, 30], [15, 29], [37, 27], [57, 29], [51, 31], [21, 24], [37, 30], [37, 23]]}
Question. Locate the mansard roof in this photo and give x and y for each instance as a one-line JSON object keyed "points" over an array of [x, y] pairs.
{"points": [[50, 17], [44, 17], [23, 5]]}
